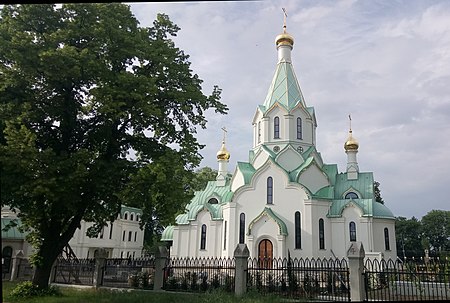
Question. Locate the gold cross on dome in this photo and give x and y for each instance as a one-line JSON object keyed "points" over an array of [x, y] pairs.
{"points": [[284, 18], [224, 133]]}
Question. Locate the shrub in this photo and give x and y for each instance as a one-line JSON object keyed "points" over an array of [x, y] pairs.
{"points": [[28, 289]]}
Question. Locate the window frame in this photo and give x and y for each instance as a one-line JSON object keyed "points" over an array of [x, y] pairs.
{"points": [[269, 190], [387, 244], [299, 129], [276, 127], [203, 237], [242, 228], [321, 234], [298, 230], [352, 231]]}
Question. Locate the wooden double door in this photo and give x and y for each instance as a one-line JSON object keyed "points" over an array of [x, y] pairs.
{"points": [[265, 253]]}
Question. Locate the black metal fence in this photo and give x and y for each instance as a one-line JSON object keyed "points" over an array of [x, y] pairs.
{"points": [[409, 280], [199, 274], [129, 273], [76, 271], [321, 279]]}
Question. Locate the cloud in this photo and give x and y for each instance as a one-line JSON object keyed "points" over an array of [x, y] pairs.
{"points": [[385, 62]]}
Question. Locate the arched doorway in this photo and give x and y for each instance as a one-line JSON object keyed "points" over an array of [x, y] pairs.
{"points": [[6, 259], [265, 253]]}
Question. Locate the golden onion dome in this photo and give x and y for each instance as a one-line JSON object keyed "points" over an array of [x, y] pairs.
{"points": [[284, 39], [351, 143], [223, 153]]}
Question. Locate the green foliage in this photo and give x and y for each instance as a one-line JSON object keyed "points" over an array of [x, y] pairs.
{"points": [[201, 177], [94, 107], [377, 192], [436, 230], [432, 232], [408, 237], [27, 290]]}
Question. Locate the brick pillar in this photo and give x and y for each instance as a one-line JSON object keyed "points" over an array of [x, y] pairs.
{"points": [[241, 254], [16, 260], [356, 256], [160, 263], [100, 262]]}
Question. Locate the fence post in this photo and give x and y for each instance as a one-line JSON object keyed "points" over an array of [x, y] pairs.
{"points": [[160, 263], [100, 261], [16, 260], [356, 256], [241, 254]]}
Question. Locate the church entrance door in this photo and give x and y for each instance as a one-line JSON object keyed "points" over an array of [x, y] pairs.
{"points": [[265, 253]]}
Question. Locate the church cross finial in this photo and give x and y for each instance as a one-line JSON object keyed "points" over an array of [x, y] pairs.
{"points": [[284, 19], [224, 133], [350, 122]]}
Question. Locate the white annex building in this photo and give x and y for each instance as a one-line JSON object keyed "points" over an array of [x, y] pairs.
{"points": [[285, 199], [122, 238]]}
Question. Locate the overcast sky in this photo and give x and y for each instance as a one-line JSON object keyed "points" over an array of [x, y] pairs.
{"points": [[387, 63]]}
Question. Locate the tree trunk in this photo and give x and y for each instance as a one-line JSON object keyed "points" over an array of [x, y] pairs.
{"points": [[46, 256]]}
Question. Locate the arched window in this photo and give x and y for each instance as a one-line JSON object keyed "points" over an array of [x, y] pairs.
{"points": [[203, 237], [225, 236], [241, 228], [259, 131], [386, 239], [299, 128], [110, 231], [269, 190], [321, 234], [276, 128], [132, 217], [298, 231], [137, 217], [352, 229], [213, 201], [125, 216], [351, 195]]}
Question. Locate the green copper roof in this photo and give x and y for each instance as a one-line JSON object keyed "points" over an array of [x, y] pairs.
{"points": [[331, 170], [271, 214], [284, 88], [364, 185], [129, 209], [369, 207], [247, 171], [167, 234], [13, 231]]}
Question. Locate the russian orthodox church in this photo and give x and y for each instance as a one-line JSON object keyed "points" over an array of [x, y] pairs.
{"points": [[285, 199]]}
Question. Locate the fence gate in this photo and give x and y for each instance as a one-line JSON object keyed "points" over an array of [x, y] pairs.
{"points": [[410, 280], [313, 279]]}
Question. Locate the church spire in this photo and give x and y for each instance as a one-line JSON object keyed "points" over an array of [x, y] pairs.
{"points": [[284, 88], [223, 156], [351, 149]]}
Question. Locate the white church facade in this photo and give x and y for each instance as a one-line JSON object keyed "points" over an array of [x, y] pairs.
{"points": [[285, 199]]}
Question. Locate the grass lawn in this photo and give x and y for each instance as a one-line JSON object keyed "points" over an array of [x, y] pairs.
{"points": [[75, 295]]}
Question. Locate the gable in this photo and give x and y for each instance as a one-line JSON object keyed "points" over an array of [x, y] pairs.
{"points": [[289, 159], [313, 178]]}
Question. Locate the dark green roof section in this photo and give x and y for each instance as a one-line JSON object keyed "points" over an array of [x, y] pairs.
{"points": [[331, 170], [247, 171], [369, 208], [201, 200], [12, 232], [271, 214], [326, 192], [364, 185], [167, 234]]}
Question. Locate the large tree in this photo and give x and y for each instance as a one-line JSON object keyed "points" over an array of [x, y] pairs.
{"points": [[90, 102], [436, 230], [409, 237]]}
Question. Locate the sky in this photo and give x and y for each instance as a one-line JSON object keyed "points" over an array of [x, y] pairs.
{"points": [[385, 62]]}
